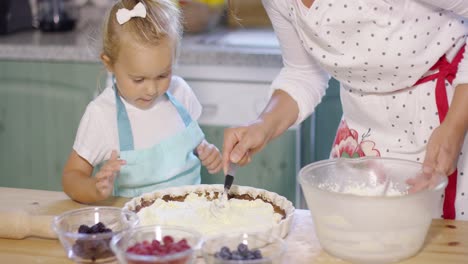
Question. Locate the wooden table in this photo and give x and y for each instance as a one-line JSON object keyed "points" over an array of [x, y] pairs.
{"points": [[447, 241]]}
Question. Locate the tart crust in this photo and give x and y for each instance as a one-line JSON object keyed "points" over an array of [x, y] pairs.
{"points": [[280, 204]]}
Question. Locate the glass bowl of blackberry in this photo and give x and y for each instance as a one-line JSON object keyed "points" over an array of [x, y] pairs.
{"points": [[243, 248], [85, 233], [154, 244]]}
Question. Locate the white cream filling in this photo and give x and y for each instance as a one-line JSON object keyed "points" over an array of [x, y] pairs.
{"points": [[237, 216], [363, 189]]}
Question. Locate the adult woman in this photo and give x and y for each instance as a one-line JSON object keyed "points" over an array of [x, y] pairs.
{"points": [[396, 61]]}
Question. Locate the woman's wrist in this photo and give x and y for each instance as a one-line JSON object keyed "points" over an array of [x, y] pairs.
{"points": [[280, 113], [457, 116]]}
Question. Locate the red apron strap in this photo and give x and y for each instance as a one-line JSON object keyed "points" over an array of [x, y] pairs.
{"points": [[446, 71]]}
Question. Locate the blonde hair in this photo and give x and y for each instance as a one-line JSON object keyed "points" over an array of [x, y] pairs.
{"points": [[162, 20]]}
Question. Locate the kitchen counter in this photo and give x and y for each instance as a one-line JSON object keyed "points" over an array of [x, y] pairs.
{"points": [[83, 45], [447, 241]]}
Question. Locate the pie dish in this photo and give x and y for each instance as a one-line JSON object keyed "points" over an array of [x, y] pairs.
{"points": [[153, 209]]}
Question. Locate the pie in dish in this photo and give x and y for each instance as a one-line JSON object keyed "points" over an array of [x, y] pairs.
{"points": [[248, 209]]}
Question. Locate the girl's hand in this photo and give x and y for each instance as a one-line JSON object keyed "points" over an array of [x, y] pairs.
{"points": [[240, 143], [106, 175], [209, 156]]}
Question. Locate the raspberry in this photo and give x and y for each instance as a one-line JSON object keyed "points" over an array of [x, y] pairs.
{"points": [[168, 240], [157, 248]]}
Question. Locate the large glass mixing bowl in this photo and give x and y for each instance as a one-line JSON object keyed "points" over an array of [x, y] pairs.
{"points": [[362, 210]]}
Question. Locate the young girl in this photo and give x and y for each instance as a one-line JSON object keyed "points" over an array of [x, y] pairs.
{"points": [[141, 131], [401, 63]]}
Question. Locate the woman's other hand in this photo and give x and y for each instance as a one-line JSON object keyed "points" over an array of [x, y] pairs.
{"points": [[446, 141], [443, 150]]}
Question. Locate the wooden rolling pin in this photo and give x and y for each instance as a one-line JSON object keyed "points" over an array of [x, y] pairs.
{"points": [[19, 224]]}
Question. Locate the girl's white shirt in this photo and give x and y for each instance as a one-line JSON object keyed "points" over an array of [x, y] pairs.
{"points": [[369, 46], [97, 133]]}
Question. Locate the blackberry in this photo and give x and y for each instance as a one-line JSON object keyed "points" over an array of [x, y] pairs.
{"points": [[93, 249], [83, 229], [97, 228]]}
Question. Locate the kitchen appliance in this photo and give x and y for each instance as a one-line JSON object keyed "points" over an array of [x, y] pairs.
{"points": [[15, 15], [57, 15]]}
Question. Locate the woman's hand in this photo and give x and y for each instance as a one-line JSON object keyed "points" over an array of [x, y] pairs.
{"points": [[445, 143], [209, 156], [106, 175], [443, 150], [240, 143]]}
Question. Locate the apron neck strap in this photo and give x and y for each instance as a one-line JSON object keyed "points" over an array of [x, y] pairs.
{"points": [[123, 122], [181, 109]]}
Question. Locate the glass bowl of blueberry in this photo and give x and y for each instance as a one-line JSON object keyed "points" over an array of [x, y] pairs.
{"points": [[156, 244], [243, 248], [85, 233]]}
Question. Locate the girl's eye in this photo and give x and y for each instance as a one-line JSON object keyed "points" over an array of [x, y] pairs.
{"points": [[160, 77], [138, 80]]}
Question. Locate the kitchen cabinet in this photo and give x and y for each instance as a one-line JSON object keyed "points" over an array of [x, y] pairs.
{"points": [[41, 104], [327, 118]]}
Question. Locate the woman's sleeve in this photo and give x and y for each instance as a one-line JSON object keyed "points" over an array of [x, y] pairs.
{"points": [[459, 7], [301, 77]]}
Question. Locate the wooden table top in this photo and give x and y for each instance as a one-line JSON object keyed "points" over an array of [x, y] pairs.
{"points": [[447, 241]]}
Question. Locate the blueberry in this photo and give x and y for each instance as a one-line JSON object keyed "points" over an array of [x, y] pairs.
{"points": [[225, 250], [225, 253], [258, 254], [250, 256], [243, 249], [236, 256]]}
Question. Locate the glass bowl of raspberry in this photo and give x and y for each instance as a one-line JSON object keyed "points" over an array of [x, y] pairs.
{"points": [[244, 248], [85, 233], [156, 244]]}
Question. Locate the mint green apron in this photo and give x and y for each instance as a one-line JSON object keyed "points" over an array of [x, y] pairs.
{"points": [[171, 162]]}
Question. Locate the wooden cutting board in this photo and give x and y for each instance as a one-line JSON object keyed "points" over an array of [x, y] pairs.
{"points": [[447, 241]]}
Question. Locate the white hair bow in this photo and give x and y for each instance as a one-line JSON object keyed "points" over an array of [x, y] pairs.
{"points": [[123, 14]]}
